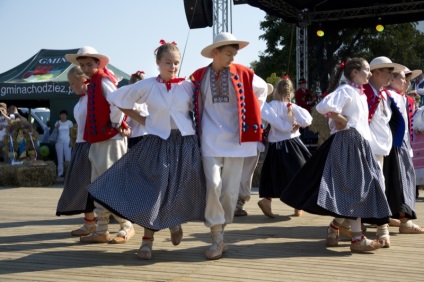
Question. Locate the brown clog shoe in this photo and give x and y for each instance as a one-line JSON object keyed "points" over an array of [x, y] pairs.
{"points": [[96, 238], [120, 238], [176, 235], [265, 206]]}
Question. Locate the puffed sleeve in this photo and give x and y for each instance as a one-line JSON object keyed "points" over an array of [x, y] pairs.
{"points": [[334, 102], [302, 116], [126, 96]]}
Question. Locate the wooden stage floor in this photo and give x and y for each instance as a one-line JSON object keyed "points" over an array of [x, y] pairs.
{"points": [[35, 245]]}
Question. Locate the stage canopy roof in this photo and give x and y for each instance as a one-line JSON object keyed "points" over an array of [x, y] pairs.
{"points": [[342, 13]]}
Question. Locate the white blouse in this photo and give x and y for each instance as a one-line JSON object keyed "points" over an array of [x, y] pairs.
{"points": [[138, 129], [80, 115], [163, 105], [63, 131], [380, 130], [301, 116], [349, 102]]}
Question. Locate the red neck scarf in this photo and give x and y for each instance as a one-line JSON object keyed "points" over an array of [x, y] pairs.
{"points": [[360, 88], [169, 82]]}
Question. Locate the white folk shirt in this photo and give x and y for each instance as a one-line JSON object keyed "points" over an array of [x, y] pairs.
{"points": [[63, 131], [116, 115], [220, 124], [349, 102], [80, 115], [380, 130], [138, 129], [301, 116], [165, 108]]}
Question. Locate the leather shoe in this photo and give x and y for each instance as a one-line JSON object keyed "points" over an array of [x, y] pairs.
{"points": [[145, 251], [265, 206], [176, 235], [96, 238], [216, 250], [364, 245], [119, 239]]}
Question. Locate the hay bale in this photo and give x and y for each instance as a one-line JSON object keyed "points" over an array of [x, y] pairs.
{"points": [[36, 174], [319, 125], [8, 175]]}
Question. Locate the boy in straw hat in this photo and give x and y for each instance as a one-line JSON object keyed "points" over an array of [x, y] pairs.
{"points": [[227, 113], [105, 132]]}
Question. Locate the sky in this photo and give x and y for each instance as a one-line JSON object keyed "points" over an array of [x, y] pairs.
{"points": [[127, 31]]}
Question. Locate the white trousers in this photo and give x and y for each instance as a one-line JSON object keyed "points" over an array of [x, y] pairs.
{"points": [[63, 153], [223, 176], [103, 155], [249, 166]]}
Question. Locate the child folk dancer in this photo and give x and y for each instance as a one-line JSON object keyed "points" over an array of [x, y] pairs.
{"points": [[105, 132], [138, 130], [75, 198], [343, 178], [249, 164], [160, 182], [398, 167], [286, 152], [227, 112]]}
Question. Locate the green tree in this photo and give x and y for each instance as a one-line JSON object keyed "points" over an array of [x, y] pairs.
{"points": [[402, 43]]}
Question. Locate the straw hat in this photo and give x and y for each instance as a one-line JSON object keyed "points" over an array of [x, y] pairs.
{"points": [[384, 62], [414, 73], [87, 51], [222, 39], [270, 88]]}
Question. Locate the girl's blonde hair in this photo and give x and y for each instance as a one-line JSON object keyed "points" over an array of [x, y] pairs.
{"points": [[76, 71], [284, 90], [167, 47]]}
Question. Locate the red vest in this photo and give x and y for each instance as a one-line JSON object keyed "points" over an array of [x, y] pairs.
{"points": [[97, 124], [250, 124], [372, 99]]}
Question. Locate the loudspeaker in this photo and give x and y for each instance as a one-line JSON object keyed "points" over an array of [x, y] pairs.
{"points": [[199, 13], [238, 2]]}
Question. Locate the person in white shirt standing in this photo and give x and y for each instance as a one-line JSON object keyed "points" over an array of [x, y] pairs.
{"points": [[63, 142], [286, 152], [227, 106], [160, 182]]}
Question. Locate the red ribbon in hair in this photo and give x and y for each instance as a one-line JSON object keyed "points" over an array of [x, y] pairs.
{"points": [[286, 76], [342, 65], [138, 73], [164, 42]]}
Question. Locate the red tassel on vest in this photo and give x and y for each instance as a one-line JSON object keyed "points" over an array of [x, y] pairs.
{"points": [[97, 124]]}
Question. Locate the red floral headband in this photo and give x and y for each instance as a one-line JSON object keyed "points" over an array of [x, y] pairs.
{"points": [[342, 65], [137, 73], [284, 77], [162, 42]]}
